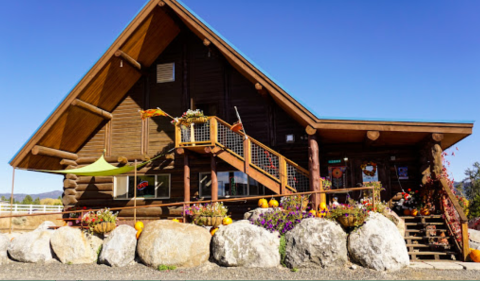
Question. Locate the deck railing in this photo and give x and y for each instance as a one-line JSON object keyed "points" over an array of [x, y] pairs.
{"points": [[255, 154], [456, 219]]}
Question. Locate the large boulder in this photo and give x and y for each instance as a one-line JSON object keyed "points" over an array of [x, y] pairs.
{"points": [[31, 247], [166, 242], [73, 246], [397, 220], [119, 248], [378, 245], [255, 213], [4, 243], [247, 245], [474, 239], [315, 243], [45, 226]]}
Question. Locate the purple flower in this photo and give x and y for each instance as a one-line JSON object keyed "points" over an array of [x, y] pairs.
{"points": [[346, 215]]}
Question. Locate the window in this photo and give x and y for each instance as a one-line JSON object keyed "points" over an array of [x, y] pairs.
{"points": [[166, 72], [148, 187], [230, 184]]}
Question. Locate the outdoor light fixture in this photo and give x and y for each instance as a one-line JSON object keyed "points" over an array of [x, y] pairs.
{"points": [[290, 138], [345, 159]]}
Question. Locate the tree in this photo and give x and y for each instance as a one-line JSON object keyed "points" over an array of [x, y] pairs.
{"points": [[27, 200], [36, 201], [471, 184], [474, 208], [3, 198]]}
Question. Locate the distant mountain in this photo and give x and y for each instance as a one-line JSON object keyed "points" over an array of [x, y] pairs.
{"points": [[20, 196]]}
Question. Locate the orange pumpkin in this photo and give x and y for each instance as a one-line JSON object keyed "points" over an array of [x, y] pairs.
{"points": [[475, 255], [322, 213], [138, 233], [139, 225], [273, 203], [213, 230], [406, 212], [414, 212], [425, 212], [313, 212], [227, 221], [262, 202], [175, 220]]}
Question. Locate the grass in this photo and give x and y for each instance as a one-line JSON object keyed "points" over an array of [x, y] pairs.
{"points": [[283, 250], [163, 267]]}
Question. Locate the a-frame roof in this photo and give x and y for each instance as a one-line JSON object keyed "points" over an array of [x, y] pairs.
{"points": [[143, 40]]}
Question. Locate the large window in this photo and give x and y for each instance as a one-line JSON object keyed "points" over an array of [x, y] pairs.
{"points": [[230, 184], [148, 186]]}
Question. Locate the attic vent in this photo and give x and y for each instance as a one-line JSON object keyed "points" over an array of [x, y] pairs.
{"points": [[165, 72]]}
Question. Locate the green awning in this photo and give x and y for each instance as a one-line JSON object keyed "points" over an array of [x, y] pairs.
{"points": [[102, 168]]}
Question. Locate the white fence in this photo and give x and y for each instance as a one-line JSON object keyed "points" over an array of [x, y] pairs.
{"points": [[29, 209]]}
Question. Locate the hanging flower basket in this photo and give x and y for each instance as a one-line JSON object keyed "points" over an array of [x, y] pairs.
{"points": [[236, 127], [349, 221], [104, 227], [197, 120], [210, 221]]}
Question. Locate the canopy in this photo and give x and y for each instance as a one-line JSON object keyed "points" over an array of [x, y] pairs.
{"points": [[102, 168]]}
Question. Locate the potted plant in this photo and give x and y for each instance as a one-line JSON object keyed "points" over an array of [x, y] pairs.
{"points": [[295, 203], [208, 214], [348, 215], [102, 221]]}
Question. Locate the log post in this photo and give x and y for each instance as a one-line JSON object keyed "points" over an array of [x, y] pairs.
{"points": [[178, 135], [314, 169], [247, 153], [283, 175], [129, 59], [213, 168], [213, 131], [186, 178], [92, 109]]}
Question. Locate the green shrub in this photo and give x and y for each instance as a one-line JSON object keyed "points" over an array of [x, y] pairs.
{"points": [[163, 267], [283, 250]]}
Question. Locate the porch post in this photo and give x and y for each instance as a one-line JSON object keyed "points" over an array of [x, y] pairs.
{"points": [[314, 169], [213, 168], [186, 177]]}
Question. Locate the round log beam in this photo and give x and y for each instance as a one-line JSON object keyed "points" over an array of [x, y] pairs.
{"points": [[373, 135], [69, 200], [258, 86], [69, 183], [206, 42], [66, 162], [438, 137], [310, 130], [47, 151], [122, 160], [70, 191], [180, 151]]}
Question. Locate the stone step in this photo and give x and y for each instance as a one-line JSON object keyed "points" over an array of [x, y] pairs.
{"points": [[432, 253], [418, 245], [424, 237], [420, 217], [423, 230], [426, 223]]}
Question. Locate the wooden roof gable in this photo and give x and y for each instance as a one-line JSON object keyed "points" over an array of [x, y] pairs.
{"points": [[90, 102]]}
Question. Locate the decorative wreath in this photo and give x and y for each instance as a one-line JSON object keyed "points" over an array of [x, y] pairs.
{"points": [[337, 173], [367, 172]]}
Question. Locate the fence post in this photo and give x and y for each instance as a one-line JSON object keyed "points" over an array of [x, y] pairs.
{"points": [[44, 208], [283, 174], [213, 130], [247, 153], [16, 208], [59, 208], [178, 135], [31, 209]]}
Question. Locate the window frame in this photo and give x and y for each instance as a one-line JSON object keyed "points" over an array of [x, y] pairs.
{"points": [[229, 196], [115, 184]]}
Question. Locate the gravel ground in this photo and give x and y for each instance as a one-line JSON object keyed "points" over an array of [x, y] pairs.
{"points": [[58, 271]]}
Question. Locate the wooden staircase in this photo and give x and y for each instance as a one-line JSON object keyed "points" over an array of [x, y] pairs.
{"points": [[244, 153], [422, 236]]}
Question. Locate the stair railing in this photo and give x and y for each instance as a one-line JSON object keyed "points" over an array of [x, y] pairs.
{"points": [[455, 218], [255, 154]]}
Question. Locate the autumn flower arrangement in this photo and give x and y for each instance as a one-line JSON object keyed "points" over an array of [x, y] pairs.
{"points": [[278, 220], [190, 116], [207, 214], [326, 183], [352, 214], [92, 218], [295, 203]]}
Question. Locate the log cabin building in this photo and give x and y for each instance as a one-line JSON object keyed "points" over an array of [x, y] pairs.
{"points": [[168, 57]]}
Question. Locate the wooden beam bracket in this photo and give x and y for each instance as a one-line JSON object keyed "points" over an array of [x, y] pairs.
{"points": [[47, 151], [92, 108], [129, 59]]}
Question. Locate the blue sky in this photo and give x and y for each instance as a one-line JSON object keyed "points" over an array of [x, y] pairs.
{"points": [[363, 59]]}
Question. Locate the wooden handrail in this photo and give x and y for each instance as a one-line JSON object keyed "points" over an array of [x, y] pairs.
{"points": [[239, 199], [463, 218]]}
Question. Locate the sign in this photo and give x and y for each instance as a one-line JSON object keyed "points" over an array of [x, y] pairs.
{"points": [[336, 161], [403, 173], [337, 174], [142, 185]]}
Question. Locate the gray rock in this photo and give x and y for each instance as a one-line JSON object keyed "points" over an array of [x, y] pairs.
{"points": [[255, 214], [119, 247], [398, 221], [45, 226], [31, 247], [172, 243], [72, 246], [378, 245], [247, 245], [4, 243], [474, 239], [315, 243]]}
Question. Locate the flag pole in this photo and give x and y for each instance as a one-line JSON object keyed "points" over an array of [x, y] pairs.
{"points": [[11, 200], [135, 194]]}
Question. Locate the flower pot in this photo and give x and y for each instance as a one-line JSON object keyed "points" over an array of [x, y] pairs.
{"points": [[347, 221], [104, 227], [210, 221], [197, 120]]}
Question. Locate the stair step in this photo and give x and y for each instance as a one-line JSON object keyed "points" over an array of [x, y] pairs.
{"points": [[426, 223], [431, 253], [423, 230], [418, 245], [425, 217], [424, 237]]}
